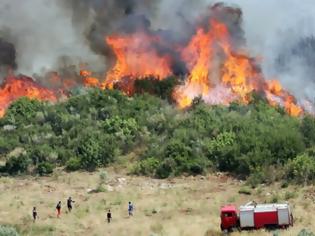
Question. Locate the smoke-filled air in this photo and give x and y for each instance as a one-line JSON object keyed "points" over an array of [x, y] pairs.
{"points": [[220, 52]]}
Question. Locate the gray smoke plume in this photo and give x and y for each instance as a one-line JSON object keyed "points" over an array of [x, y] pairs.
{"points": [[49, 34], [7, 54], [42, 34], [282, 33]]}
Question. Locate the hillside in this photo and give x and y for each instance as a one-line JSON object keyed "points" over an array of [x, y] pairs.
{"points": [[99, 127], [178, 206]]}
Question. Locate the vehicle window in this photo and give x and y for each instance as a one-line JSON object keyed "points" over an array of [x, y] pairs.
{"points": [[228, 214]]}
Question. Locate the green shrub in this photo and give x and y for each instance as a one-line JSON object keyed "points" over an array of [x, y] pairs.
{"points": [[166, 168], [301, 169], [22, 111], [17, 165], [146, 167], [8, 231], [274, 198], [305, 232], [289, 195], [245, 190], [73, 164], [45, 168]]}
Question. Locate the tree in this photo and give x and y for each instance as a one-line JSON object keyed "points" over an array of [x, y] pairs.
{"points": [[17, 165], [22, 111], [308, 130], [301, 169]]}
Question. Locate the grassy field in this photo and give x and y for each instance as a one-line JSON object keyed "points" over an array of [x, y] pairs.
{"points": [[179, 206]]}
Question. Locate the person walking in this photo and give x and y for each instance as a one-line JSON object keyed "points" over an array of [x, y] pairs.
{"points": [[34, 214], [109, 216], [58, 208], [69, 204], [130, 209]]}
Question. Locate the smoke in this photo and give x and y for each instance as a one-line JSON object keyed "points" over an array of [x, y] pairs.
{"points": [[42, 34], [7, 54], [107, 17], [53, 34], [282, 35]]}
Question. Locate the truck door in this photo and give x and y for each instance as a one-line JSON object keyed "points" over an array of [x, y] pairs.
{"points": [[247, 218], [283, 216]]}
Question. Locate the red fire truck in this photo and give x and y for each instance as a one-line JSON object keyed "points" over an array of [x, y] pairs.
{"points": [[256, 216]]}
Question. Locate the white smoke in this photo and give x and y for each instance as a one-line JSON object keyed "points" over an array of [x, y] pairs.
{"points": [[42, 33], [276, 27]]}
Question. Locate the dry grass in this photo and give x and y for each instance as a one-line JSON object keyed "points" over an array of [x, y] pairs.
{"points": [[181, 206]]}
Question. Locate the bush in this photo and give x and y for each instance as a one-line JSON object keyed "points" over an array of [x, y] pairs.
{"points": [[95, 150], [73, 164], [166, 168], [146, 167], [245, 190], [289, 195], [301, 169], [8, 231], [22, 111], [45, 168], [305, 232], [308, 130], [17, 165]]}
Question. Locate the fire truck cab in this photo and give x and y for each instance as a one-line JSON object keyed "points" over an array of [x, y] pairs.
{"points": [[229, 217]]}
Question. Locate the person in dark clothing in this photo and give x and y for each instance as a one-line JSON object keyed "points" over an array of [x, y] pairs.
{"points": [[130, 209], [34, 214], [69, 204], [58, 207], [109, 216]]}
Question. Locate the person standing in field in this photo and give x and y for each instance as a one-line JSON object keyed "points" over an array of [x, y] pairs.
{"points": [[69, 204], [34, 214], [130, 209], [109, 216], [58, 208]]}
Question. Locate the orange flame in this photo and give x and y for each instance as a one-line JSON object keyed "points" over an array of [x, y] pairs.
{"points": [[22, 86], [88, 80], [136, 58]]}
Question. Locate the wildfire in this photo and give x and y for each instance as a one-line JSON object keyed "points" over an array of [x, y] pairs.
{"points": [[136, 58], [213, 65], [15, 87], [88, 80]]}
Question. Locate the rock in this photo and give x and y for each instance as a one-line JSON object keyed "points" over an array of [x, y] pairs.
{"points": [[121, 180], [109, 188], [268, 194], [9, 127], [90, 190], [165, 186], [202, 177]]}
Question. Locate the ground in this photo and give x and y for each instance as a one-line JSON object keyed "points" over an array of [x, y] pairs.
{"points": [[179, 206]]}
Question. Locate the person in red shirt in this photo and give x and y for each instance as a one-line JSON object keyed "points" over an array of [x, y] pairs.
{"points": [[58, 208]]}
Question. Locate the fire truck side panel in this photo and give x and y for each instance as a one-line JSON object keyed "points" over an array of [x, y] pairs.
{"points": [[283, 216], [247, 218], [265, 218]]}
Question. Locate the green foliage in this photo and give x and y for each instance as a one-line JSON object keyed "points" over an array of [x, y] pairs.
{"points": [[146, 167], [95, 151], [308, 130], [17, 165], [301, 169], [255, 142], [245, 190], [22, 111], [305, 232], [8, 231], [73, 164], [45, 168]]}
